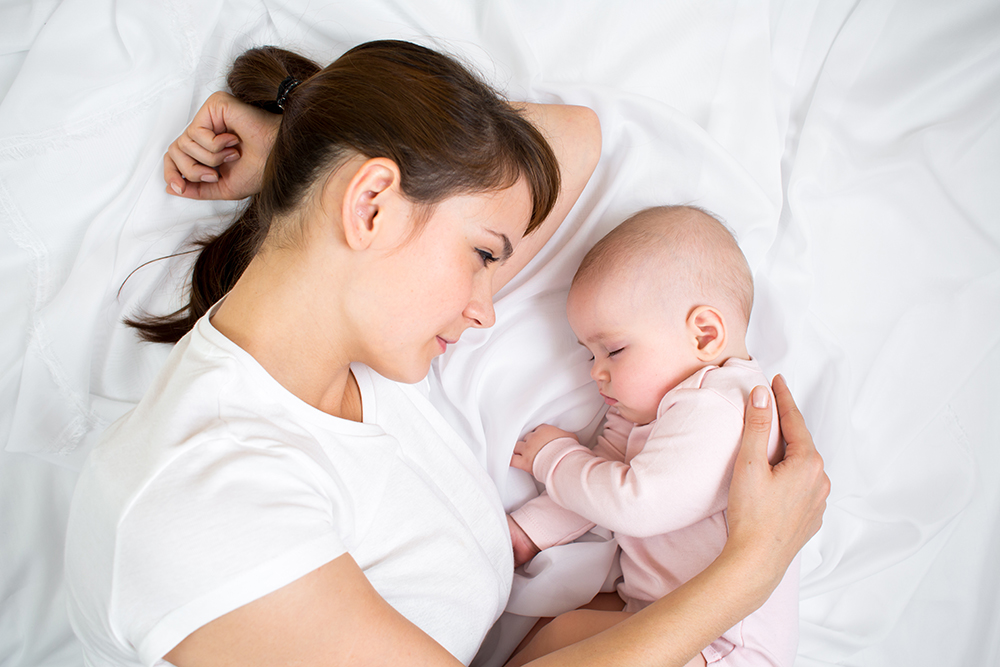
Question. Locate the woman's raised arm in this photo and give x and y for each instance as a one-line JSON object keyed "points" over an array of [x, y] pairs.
{"points": [[574, 133], [221, 155]]}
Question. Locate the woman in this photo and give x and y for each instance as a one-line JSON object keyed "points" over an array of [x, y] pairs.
{"points": [[278, 496]]}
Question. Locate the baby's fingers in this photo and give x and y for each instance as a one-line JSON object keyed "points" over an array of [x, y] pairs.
{"points": [[517, 459]]}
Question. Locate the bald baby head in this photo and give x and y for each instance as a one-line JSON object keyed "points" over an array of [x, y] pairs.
{"points": [[677, 251]]}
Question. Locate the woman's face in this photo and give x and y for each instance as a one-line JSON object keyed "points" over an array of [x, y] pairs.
{"points": [[438, 282]]}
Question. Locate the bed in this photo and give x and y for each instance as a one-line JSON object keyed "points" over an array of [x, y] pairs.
{"points": [[852, 145]]}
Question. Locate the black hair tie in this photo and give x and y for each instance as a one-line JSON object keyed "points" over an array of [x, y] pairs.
{"points": [[284, 90]]}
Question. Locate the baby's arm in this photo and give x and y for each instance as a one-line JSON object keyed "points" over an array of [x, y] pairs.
{"points": [[524, 547], [526, 450], [610, 443], [678, 478], [541, 523], [544, 524]]}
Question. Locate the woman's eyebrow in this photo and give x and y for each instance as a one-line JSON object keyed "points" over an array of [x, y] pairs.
{"points": [[507, 247]]}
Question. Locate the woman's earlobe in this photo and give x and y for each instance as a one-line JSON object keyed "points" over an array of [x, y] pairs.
{"points": [[708, 329]]}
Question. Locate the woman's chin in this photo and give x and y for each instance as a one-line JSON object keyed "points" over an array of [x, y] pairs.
{"points": [[410, 374]]}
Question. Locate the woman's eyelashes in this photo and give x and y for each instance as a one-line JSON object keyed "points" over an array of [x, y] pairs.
{"points": [[487, 257]]}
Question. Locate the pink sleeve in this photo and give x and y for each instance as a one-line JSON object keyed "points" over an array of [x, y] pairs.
{"points": [[548, 524], [681, 475], [613, 439]]}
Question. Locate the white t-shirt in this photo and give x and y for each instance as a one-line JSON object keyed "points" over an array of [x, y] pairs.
{"points": [[221, 486]]}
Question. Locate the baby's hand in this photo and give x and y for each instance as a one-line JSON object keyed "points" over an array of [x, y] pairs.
{"points": [[524, 547], [526, 450]]}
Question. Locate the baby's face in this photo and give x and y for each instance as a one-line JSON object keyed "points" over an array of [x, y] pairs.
{"points": [[640, 350]]}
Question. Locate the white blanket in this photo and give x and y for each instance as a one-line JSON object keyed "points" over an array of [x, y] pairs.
{"points": [[853, 146]]}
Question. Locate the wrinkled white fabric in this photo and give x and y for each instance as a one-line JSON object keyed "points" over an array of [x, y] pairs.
{"points": [[851, 144]]}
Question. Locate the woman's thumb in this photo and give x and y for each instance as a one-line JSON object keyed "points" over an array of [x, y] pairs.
{"points": [[756, 426]]}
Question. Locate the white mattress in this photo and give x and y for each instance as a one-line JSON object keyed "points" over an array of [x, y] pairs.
{"points": [[853, 146]]}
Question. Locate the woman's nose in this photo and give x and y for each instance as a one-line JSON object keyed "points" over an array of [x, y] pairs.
{"points": [[480, 308]]}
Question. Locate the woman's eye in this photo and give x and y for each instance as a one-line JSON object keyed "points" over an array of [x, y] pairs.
{"points": [[487, 257], [614, 352]]}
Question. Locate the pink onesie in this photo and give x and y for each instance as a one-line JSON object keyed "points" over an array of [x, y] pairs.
{"points": [[662, 488]]}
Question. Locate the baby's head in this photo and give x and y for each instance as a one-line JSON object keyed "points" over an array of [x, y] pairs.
{"points": [[664, 294]]}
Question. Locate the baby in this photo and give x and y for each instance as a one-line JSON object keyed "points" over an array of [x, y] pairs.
{"points": [[662, 303]]}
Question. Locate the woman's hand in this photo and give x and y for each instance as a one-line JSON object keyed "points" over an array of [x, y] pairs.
{"points": [[221, 154], [774, 510]]}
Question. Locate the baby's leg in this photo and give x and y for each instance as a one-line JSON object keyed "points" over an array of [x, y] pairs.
{"points": [[566, 629]]}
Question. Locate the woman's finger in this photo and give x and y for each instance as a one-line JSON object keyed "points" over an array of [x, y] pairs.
{"points": [[756, 429], [178, 185], [209, 127], [201, 155], [802, 461], [793, 425], [189, 168], [186, 165], [209, 139]]}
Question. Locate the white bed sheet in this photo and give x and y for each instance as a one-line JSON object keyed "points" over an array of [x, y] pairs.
{"points": [[853, 146]]}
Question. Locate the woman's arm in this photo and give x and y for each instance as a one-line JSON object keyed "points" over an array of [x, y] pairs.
{"points": [[331, 616], [221, 155], [574, 133], [773, 511], [334, 616]]}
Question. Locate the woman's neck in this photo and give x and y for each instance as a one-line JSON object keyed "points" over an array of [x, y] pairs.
{"points": [[278, 318]]}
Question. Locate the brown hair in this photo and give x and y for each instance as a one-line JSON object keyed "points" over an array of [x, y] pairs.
{"points": [[448, 132]]}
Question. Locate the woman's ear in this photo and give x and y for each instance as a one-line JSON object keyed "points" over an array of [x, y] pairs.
{"points": [[365, 199], [707, 330]]}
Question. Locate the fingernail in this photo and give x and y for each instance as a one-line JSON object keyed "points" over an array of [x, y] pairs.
{"points": [[231, 157], [232, 143], [760, 397], [176, 188], [209, 178]]}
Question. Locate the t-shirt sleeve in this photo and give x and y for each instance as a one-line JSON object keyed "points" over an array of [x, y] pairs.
{"points": [[223, 524]]}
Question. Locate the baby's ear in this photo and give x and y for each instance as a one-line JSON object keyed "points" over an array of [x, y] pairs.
{"points": [[707, 330]]}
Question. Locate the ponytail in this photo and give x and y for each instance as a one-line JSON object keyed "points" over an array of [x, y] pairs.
{"points": [[254, 79], [447, 131]]}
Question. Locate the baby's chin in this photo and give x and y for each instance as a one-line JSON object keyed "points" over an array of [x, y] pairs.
{"points": [[637, 417]]}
